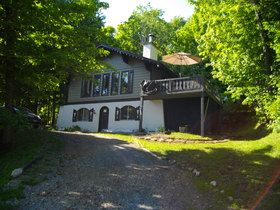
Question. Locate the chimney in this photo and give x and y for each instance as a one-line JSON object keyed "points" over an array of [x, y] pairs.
{"points": [[149, 49]]}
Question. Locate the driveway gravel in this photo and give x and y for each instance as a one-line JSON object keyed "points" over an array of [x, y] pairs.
{"points": [[97, 172]]}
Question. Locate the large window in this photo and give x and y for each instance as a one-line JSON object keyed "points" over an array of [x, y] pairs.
{"points": [[96, 85], [127, 113], [115, 84], [126, 82], [86, 88], [105, 84], [83, 114], [108, 84]]}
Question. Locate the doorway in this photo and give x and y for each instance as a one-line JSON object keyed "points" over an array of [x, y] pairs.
{"points": [[103, 118]]}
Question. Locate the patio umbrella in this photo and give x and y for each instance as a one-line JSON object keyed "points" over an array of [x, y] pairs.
{"points": [[181, 59]]}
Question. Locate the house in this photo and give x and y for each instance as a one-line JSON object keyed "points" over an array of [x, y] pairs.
{"points": [[139, 93]]}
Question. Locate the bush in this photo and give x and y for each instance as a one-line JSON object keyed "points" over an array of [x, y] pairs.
{"points": [[16, 121], [73, 128]]}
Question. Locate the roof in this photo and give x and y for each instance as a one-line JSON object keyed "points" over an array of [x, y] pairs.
{"points": [[149, 63]]}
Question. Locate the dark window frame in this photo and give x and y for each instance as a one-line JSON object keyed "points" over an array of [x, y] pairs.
{"points": [[82, 115], [127, 112], [115, 83], [129, 82], [96, 85], [86, 88], [107, 88]]}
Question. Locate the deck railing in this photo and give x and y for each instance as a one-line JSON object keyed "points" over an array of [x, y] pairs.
{"points": [[178, 85]]}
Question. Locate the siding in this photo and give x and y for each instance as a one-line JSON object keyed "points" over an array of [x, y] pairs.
{"points": [[140, 73]]}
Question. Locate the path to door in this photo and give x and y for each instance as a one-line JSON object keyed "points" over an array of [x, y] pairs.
{"points": [[103, 173]]}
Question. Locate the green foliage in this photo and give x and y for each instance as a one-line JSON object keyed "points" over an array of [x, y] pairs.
{"points": [[73, 128], [42, 43], [161, 129], [17, 121], [145, 20], [241, 40]]}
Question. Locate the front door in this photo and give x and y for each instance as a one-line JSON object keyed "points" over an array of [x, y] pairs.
{"points": [[103, 118]]}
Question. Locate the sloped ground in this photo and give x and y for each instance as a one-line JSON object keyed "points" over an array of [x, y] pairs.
{"points": [[104, 173]]}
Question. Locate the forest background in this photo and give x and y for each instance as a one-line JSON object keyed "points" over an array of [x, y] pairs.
{"points": [[43, 43]]}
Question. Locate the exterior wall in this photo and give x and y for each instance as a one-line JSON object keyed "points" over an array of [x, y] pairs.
{"points": [[153, 115], [140, 74], [150, 122]]}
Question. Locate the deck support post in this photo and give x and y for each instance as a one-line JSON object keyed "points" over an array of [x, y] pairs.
{"points": [[141, 114], [202, 114]]}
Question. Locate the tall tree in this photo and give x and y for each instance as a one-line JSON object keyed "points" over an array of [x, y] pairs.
{"points": [[145, 20], [241, 39], [43, 41]]}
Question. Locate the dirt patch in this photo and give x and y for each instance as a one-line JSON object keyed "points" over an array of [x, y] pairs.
{"points": [[172, 140]]}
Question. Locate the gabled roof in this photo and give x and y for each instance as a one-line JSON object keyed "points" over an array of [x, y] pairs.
{"points": [[149, 63]]}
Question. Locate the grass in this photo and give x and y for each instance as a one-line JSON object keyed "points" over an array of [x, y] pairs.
{"points": [[187, 136], [28, 146], [241, 168]]}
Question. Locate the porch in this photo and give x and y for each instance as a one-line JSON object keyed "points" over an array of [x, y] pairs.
{"points": [[179, 88]]}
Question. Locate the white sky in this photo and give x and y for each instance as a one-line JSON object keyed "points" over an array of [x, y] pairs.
{"points": [[120, 10]]}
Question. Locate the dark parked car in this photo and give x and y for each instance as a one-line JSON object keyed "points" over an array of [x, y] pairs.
{"points": [[34, 119]]}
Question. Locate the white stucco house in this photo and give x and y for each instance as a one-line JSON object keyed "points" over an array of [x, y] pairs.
{"points": [[115, 100]]}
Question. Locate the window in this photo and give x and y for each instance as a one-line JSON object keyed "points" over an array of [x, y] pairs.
{"points": [[126, 82], [105, 84], [127, 113], [83, 114], [96, 85], [86, 88], [115, 84]]}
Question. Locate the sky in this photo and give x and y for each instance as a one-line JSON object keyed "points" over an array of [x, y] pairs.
{"points": [[120, 10]]}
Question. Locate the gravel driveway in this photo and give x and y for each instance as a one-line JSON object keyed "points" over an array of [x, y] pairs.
{"points": [[96, 172]]}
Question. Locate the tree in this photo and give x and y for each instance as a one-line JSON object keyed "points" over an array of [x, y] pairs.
{"points": [[145, 20], [241, 39], [43, 41]]}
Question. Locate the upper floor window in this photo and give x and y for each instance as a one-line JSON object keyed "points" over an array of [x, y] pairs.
{"points": [[105, 84], [86, 88], [96, 85], [115, 84], [126, 82], [108, 84]]}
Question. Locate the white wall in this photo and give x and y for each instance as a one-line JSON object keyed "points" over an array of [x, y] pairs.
{"points": [[152, 119], [153, 115]]}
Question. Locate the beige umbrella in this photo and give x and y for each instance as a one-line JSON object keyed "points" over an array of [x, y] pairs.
{"points": [[181, 59]]}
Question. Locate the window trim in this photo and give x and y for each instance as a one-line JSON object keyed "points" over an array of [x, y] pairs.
{"points": [[89, 118], [130, 115], [102, 84], [112, 84], [99, 85], [130, 84], [88, 88]]}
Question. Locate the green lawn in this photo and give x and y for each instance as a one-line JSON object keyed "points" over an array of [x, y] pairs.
{"points": [[28, 145], [242, 168]]}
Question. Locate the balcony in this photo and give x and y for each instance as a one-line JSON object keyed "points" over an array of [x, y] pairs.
{"points": [[178, 88]]}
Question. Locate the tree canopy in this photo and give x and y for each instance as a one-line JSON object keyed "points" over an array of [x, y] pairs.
{"points": [[43, 41], [241, 39], [146, 20]]}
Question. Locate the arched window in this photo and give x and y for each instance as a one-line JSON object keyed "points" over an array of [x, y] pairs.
{"points": [[83, 114], [127, 113]]}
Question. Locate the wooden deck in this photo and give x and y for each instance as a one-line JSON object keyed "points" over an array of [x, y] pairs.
{"points": [[178, 88]]}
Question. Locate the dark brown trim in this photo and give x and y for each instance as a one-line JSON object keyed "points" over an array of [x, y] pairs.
{"points": [[104, 101]]}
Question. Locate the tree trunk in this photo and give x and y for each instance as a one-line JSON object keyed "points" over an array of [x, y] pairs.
{"points": [[267, 51], [9, 64]]}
